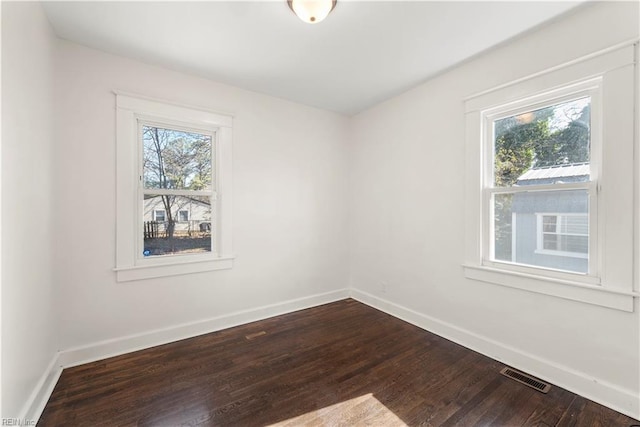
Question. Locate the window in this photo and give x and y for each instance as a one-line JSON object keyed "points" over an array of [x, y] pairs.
{"points": [[540, 159], [177, 172], [549, 182], [159, 216], [564, 235], [173, 189]]}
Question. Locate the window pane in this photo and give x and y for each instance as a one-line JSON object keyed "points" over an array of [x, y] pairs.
{"points": [[176, 159], [503, 227], [173, 235], [550, 242], [575, 224], [542, 229], [549, 223], [544, 146], [577, 244]]}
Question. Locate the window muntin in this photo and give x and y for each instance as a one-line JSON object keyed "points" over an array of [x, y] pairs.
{"points": [[540, 161], [177, 177]]}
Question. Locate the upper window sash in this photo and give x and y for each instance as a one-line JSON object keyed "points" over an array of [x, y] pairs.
{"points": [[210, 131], [591, 88], [542, 187]]}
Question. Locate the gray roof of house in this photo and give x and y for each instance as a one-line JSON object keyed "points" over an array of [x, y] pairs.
{"points": [[552, 172]]}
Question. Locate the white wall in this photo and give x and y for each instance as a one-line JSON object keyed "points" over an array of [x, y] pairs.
{"points": [[28, 324], [290, 201], [293, 212], [407, 216]]}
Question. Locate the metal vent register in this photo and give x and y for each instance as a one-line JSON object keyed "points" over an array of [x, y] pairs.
{"points": [[526, 379]]}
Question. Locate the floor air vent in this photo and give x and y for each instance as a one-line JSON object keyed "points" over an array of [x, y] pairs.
{"points": [[525, 379]]}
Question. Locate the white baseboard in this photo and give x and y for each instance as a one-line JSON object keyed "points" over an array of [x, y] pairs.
{"points": [[621, 400], [35, 405], [624, 401], [127, 344]]}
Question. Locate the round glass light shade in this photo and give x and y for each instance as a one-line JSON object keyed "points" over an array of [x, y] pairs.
{"points": [[312, 11]]}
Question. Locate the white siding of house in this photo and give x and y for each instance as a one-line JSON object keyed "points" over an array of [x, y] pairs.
{"points": [[198, 212]]}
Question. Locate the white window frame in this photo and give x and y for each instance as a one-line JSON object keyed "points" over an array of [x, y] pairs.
{"points": [[608, 78], [155, 215], [589, 88], [211, 193], [540, 249], [132, 112]]}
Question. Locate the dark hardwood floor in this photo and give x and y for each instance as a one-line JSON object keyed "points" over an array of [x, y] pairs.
{"points": [[339, 364]]}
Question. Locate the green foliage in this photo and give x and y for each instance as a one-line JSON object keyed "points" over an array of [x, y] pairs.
{"points": [[572, 142], [545, 137], [528, 141], [515, 151]]}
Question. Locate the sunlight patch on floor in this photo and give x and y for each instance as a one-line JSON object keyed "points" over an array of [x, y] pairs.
{"points": [[362, 411]]}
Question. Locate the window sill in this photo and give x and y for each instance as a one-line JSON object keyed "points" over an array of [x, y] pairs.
{"points": [[141, 272], [575, 291]]}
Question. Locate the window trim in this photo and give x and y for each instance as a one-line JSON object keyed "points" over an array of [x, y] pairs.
{"points": [[212, 193], [612, 284], [131, 111]]}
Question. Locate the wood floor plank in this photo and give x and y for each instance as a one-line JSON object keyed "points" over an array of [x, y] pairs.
{"points": [[340, 364]]}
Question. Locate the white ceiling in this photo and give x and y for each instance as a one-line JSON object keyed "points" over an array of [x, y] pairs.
{"points": [[363, 53]]}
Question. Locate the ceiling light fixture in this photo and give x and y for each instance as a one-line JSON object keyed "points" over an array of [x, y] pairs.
{"points": [[312, 11]]}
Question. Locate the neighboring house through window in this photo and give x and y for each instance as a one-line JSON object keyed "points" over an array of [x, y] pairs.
{"points": [[551, 228], [565, 235]]}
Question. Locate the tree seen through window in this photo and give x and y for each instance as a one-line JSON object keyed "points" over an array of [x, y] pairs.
{"points": [[177, 175]]}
